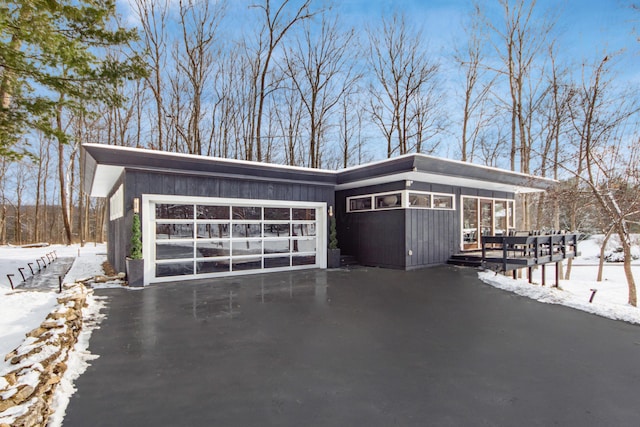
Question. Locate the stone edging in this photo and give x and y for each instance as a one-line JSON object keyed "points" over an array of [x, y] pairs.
{"points": [[26, 392]]}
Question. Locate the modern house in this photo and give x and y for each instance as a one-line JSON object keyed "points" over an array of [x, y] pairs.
{"points": [[208, 217]]}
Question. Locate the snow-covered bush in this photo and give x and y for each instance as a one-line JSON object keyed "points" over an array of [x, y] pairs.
{"points": [[617, 255]]}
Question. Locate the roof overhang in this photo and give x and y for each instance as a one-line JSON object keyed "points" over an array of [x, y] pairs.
{"points": [[104, 164], [424, 168], [434, 178], [104, 179]]}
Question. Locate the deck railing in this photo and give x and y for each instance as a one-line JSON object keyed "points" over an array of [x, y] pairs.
{"points": [[519, 251]]}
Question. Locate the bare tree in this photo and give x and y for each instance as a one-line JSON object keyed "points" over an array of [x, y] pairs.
{"points": [[153, 16], [277, 22], [405, 89], [610, 151], [4, 166], [554, 118], [320, 70], [194, 57], [520, 39], [352, 123], [477, 85]]}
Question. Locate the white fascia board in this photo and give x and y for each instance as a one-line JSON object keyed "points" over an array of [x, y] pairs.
{"points": [[434, 178], [104, 179]]}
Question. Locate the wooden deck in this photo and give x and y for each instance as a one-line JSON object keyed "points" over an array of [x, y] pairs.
{"points": [[511, 253]]}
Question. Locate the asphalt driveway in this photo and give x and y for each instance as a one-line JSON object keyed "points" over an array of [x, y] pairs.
{"points": [[366, 347]]}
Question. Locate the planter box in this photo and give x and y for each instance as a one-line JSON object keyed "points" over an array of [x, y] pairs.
{"points": [[333, 258], [135, 272]]}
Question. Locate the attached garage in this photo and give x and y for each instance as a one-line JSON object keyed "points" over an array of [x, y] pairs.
{"points": [[208, 217], [197, 237]]}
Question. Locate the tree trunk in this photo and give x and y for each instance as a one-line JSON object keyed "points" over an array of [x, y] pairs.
{"points": [[602, 251], [623, 234], [61, 174]]}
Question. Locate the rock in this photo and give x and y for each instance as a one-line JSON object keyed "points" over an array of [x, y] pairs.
{"points": [[37, 332], [24, 393], [11, 378], [6, 404], [36, 416], [11, 355], [59, 314], [54, 379], [60, 368], [21, 357], [47, 324]]}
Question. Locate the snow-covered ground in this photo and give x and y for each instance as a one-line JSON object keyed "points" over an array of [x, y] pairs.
{"points": [[612, 293], [22, 310]]}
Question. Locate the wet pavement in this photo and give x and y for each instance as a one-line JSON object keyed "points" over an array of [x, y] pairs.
{"points": [[361, 347]]}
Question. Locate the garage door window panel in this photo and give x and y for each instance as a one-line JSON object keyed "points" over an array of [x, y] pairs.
{"points": [[277, 262], [277, 230], [213, 248], [213, 212], [303, 214], [172, 211], [241, 264], [174, 269], [246, 213], [247, 230], [304, 245], [246, 247], [277, 214], [174, 231], [217, 266], [174, 250], [213, 231], [276, 246], [303, 260], [308, 229]]}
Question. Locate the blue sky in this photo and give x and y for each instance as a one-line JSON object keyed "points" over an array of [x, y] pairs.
{"points": [[585, 28]]}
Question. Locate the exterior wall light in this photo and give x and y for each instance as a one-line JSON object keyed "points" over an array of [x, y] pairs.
{"points": [[136, 205]]}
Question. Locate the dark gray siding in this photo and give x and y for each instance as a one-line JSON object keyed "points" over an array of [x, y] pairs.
{"points": [[384, 238], [138, 183], [117, 244], [145, 182], [432, 235], [375, 238]]}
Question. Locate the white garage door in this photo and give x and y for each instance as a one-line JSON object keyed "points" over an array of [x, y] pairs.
{"points": [[203, 237]]}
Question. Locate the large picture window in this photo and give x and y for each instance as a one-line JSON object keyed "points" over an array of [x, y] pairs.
{"points": [[485, 217]]}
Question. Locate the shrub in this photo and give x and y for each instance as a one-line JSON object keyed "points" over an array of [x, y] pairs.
{"points": [[136, 238]]}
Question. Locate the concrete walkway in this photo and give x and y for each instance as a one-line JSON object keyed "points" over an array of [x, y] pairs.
{"points": [[366, 347]]}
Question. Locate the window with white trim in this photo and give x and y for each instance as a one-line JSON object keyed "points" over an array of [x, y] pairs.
{"points": [[116, 204], [400, 199]]}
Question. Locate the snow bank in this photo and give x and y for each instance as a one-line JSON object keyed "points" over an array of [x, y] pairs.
{"points": [[36, 377], [612, 293]]}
